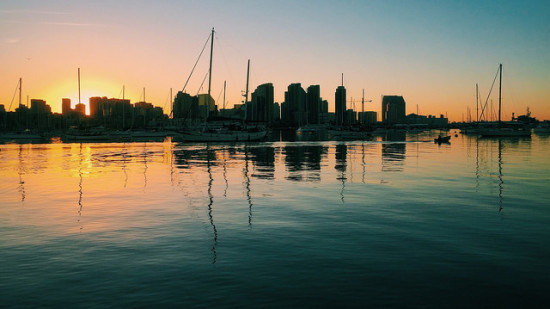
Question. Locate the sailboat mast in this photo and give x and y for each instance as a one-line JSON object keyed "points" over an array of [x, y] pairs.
{"points": [[477, 103], [246, 92], [20, 86], [500, 94], [210, 74], [224, 95], [123, 91], [79, 86]]}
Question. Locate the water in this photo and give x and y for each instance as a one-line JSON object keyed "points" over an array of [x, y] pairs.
{"points": [[379, 223]]}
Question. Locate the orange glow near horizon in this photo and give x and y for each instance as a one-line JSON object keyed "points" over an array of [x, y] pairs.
{"points": [[68, 89]]}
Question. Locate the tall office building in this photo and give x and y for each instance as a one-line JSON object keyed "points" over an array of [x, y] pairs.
{"points": [[65, 106], [313, 105], [340, 105], [368, 118], [393, 109], [185, 106], [80, 108], [261, 107], [276, 112], [294, 107]]}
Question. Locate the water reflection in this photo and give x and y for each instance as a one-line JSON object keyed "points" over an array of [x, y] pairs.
{"points": [[501, 182], [210, 203], [341, 165], [124, 154], [80, 173], [144, 166], [21, 172], [255, 164], [303, 161], [224, 164], [491, 166], [393, 153], [247, 186], [264, 160]]}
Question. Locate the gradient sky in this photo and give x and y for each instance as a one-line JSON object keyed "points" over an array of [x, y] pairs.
{"points": [[430, 52]]}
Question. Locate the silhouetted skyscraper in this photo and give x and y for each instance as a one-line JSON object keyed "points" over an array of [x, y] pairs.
{"points": [[80, 109], [313, 104], [261, 107], [340, 105], [294, 107], [186, 106], [276, 112], [393, 109], [65, 106], [368, 118]]}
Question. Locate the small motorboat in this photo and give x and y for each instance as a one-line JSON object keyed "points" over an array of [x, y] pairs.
{"points": [[442, 139]]}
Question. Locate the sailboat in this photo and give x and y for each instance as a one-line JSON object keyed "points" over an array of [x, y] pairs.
{"points": [[223, 132], [503, 129], [25, 135]]}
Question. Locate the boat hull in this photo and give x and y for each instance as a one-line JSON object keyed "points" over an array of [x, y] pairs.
{"points": [[442, 139]]}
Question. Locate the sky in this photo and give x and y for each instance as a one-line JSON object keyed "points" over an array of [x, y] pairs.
{"points": [[430, 52]]}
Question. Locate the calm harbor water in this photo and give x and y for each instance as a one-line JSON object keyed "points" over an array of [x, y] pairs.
{"points": [[392, 222]]}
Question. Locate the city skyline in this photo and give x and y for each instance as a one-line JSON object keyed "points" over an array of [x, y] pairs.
{"points": [[432, 54]]}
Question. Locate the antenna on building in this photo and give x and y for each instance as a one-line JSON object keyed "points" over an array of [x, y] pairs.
{"points": [[342, 79]]}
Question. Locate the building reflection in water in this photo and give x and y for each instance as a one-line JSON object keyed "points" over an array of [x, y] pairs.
{"points": [[264, 161], [303, 162], [393, 151]]}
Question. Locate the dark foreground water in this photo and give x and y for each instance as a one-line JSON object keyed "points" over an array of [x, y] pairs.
{"points": [[380, 224]]}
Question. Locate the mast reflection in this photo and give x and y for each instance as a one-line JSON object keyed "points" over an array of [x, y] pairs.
{"points": [[145, 166], [21, 172], [81, 159], [500, 180], [247, 186], [341, 165], [210, 203], [124, 160], [224, 165]]}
